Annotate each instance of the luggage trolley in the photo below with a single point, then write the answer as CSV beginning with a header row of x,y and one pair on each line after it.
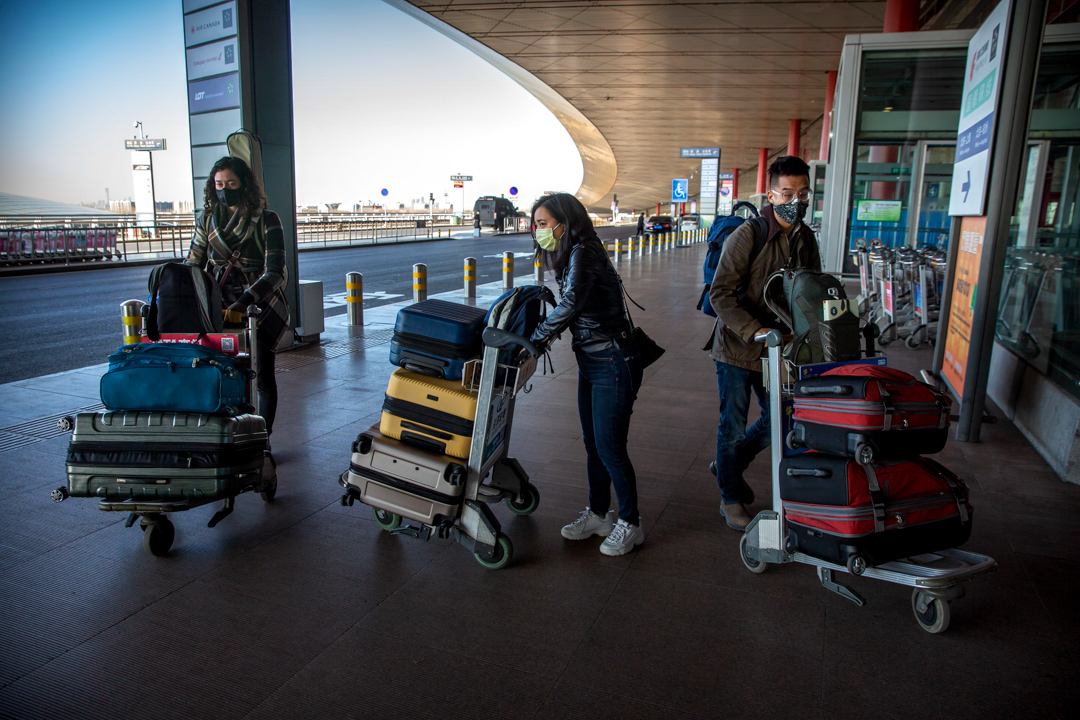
x,y
475,525
935,578
153,515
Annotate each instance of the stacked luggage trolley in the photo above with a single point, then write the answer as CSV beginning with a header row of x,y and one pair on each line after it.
x,y
439,458
900,291
898,521
152,463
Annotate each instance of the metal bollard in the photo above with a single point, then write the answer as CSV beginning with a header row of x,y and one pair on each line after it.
x,y
508,270
470,278
652,243
354,298
641,245
419,282
131,315
618,247
538,270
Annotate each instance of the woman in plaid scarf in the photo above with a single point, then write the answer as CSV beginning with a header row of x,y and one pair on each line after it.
x,y
240,243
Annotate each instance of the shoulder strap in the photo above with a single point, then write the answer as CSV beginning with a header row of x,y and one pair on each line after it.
x,y
198,278
761,236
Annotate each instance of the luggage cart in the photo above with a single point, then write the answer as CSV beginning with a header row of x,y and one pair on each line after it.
x,y
935,578
153,516
475,526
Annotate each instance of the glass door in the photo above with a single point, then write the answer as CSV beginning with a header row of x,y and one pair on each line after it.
x,y
931,186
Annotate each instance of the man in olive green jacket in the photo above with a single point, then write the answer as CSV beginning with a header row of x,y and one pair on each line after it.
x,y
753,252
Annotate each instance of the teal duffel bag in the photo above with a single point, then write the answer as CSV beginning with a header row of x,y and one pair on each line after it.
x,y
175,377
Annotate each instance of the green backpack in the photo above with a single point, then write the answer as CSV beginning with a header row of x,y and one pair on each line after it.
x,y
814,305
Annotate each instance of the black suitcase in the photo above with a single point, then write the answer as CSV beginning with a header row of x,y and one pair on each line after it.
x,y
838,512
163,456
435,337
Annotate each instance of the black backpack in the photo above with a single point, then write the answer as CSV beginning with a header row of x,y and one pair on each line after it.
x,y
721,229
183,299
822,319
520,311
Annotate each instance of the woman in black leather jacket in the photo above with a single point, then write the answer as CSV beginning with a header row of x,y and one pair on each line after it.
x,y
609,366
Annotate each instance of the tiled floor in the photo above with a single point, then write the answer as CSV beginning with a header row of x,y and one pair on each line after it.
x,y
304,608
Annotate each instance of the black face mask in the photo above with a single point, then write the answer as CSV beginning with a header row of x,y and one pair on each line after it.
x,y
230,197
792,212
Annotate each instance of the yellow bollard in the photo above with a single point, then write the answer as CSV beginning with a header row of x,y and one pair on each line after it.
x,y
538,271
419,282
470,278
131,315
354,298
508,270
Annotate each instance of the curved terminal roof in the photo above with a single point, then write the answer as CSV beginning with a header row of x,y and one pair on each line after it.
x,y
635,80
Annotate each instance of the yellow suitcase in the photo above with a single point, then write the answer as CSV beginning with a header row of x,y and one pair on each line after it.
x,y
429,412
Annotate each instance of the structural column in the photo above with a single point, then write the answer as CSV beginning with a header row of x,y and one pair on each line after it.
x,y
826,121
794,131
734,183
901,16
763,159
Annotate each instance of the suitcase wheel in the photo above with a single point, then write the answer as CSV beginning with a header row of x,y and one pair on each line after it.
x,y
932,613
268,489
158,535
755,566
856,564
529,501
386,520
504,550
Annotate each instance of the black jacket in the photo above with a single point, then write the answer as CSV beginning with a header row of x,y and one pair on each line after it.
x,y
591,303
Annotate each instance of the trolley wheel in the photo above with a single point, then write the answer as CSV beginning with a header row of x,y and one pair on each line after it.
x,y
530,500
935,618
504,550
883,340
755,566
856,564
913,342
65,423
791,442
386,520
158,536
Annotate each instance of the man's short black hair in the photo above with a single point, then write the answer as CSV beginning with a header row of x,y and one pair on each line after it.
x,y
788,165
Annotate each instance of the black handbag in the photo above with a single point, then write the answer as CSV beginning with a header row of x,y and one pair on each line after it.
x,y
650,352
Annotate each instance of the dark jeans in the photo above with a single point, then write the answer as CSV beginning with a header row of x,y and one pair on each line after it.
x,y
736,445
267,383
608,382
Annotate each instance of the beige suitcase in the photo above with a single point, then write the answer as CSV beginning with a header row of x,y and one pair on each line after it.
x,y
406,480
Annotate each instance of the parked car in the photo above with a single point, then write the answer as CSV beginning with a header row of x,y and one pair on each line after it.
x,y
689,222
659,224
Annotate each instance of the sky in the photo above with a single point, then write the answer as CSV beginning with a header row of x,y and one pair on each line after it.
x,y
379,101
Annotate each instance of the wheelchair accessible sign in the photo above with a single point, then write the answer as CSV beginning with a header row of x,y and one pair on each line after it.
x,y
680,190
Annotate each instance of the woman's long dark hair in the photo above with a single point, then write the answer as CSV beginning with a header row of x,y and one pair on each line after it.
x,y
577,228
253,199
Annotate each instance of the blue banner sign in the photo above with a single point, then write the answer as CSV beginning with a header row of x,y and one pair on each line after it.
x,y
699,152
214,94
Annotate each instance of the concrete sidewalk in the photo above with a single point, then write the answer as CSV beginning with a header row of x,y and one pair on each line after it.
x,y
304,608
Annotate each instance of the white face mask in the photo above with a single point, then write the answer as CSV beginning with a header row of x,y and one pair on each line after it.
x,y
545,238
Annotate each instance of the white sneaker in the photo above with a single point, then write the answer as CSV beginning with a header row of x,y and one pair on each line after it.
x,y
587,525
623,538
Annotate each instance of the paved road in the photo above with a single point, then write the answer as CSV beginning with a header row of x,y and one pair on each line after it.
x,y
63,321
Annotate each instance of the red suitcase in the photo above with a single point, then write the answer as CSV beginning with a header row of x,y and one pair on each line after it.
x,y
869,409
838,511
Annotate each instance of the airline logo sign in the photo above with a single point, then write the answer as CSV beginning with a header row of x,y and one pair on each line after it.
x,y
210,24
214,94
974,135
213,59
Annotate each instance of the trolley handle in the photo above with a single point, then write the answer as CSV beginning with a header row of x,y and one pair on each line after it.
x,y
497,338
773,338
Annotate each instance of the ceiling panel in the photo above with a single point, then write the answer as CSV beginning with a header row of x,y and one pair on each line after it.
x,y
656,75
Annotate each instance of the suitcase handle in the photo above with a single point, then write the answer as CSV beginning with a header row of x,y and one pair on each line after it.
x,y
497,338
827,390
809,472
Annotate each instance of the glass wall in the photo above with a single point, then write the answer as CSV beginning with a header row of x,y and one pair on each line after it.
x,y
1039,313
905,133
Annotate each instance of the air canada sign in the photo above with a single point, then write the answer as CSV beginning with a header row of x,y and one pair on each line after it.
x,y
212,24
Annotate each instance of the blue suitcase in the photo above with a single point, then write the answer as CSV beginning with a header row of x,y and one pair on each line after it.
x,y
436,338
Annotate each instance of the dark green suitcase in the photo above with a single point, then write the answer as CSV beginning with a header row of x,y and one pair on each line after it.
x,y
164,456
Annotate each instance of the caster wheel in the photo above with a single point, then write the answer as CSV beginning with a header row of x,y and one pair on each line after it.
x,y
504,550
269,473
530,500
386,520
931,613
864,454
856,564
791,441
883,341
158,537
913,342
65,423
755,566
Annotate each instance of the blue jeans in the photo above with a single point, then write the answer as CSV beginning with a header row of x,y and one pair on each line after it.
x,y
736,445
608,381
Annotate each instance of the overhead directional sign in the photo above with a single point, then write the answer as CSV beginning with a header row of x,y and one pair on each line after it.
x,y
680,190
707,152
144,144
975,133
461,178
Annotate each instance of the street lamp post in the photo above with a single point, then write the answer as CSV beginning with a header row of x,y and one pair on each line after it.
x,y
153,193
